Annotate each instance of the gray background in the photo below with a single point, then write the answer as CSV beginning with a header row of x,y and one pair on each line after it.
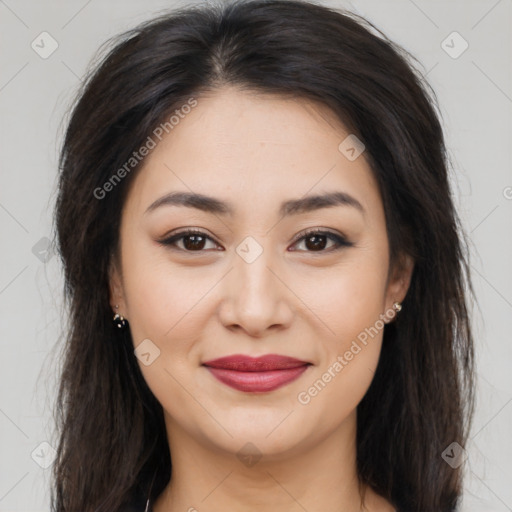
x,y
475,95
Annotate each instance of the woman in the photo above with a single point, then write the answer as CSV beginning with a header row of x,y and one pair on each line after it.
x,y
265,273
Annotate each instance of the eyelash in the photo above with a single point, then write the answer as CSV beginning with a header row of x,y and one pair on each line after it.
x,y
339,240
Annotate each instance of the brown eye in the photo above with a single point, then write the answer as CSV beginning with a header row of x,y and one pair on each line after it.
x,y
191,241
194,242
317,241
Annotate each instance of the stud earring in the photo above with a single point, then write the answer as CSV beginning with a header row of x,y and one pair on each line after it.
x,y
397,306
118,320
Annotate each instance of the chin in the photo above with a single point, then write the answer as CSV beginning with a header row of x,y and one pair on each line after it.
x,y
274,436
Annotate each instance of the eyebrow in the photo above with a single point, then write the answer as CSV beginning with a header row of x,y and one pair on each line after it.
x,y
212,205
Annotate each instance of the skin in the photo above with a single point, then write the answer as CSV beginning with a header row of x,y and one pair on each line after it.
x,y
256,151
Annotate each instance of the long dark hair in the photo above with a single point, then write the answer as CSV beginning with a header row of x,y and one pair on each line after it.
x,y
113,444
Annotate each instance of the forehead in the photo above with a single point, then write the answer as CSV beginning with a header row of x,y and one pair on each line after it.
x,y
254,149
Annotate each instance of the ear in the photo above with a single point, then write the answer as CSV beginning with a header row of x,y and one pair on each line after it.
x,y
399,280
116,291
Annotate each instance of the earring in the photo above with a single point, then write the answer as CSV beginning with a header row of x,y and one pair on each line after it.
x,y
397,306
118,320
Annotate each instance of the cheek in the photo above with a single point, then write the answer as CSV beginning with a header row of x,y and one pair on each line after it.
x,y
346,370
168,306
351,306
163,299
347,298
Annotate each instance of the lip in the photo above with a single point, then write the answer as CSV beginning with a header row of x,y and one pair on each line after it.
x,y
260,374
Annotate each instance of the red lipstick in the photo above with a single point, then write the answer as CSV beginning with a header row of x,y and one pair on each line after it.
x,y
259,374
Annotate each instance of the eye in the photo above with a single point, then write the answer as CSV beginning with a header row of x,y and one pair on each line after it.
x,y
192,241
316,240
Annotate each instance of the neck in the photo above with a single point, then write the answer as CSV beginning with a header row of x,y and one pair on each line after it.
x,y
321,477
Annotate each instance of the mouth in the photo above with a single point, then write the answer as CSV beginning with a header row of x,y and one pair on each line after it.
x,y
253,375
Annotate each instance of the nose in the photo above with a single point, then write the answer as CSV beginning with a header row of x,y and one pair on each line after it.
x,y
256,298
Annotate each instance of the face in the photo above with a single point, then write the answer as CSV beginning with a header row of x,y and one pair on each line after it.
x,y
266,270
